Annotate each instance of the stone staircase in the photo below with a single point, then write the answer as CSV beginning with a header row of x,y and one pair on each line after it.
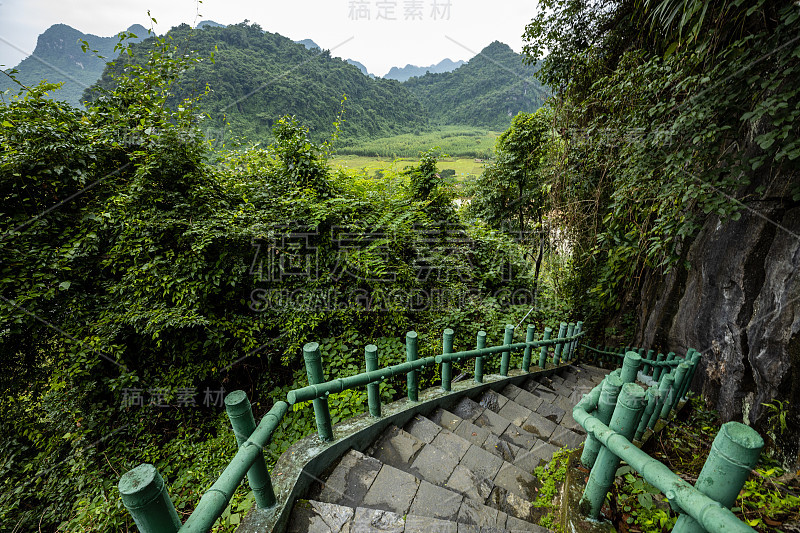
x,y
467,469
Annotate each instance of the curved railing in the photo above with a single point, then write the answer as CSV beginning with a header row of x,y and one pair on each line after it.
x,y
143,489
618,411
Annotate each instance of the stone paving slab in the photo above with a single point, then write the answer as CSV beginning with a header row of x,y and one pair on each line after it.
x,y
468,528
425,524
319,517
554,413
523,397
515,413
473,513
393,490
350,480
538,426
482,463
374,520
566,437
436,502
492,422
519,437
434,465
545,450
517,481
451,443
511,504
464,481
469,431
492,401
445,419
545,394
396,447
500,448
468,409
423,428
528,460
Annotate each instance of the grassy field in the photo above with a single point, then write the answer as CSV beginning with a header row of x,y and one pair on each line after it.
x,y
458,142
464,167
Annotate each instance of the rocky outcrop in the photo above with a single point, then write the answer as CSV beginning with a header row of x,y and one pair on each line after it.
x,y
739,304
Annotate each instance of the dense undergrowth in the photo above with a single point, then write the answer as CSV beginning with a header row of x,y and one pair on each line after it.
x,y
144,275
769,500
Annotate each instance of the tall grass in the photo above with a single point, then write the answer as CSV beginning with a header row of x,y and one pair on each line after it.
x,y
456,141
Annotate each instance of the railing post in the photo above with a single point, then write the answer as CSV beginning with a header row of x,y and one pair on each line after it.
x,y
573,347
505,358
693,362
568,344
665,390
680,376
240,413
562,331
447,368
322,413
373,389
658,368
646,367
526,355
609,390
652,401
543,349
733,455
480,343
145,496
411,355
630,366
623,421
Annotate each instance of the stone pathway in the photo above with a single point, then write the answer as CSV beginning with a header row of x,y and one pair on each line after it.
x,y
467,470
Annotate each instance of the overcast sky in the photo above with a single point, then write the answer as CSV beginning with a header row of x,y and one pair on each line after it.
x,y
396,32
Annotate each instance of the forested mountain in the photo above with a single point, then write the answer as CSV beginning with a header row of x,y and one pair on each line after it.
x,y
409,71
58,57
360,66
486,92
256,77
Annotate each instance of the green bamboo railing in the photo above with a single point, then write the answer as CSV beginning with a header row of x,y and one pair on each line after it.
x,y
618,412
144,492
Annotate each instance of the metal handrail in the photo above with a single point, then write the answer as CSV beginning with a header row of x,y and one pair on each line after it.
x,y
734,453
144,492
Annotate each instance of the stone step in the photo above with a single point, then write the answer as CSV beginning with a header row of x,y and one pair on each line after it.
x,y
360,481
451,461
311,516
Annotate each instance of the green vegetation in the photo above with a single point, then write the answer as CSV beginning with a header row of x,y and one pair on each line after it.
x,y
59,57
670,114
491,88
459,169
456,141
143,274
552,477
768,502
256,77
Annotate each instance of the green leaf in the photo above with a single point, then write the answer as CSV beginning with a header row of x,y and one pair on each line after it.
x,y
64,285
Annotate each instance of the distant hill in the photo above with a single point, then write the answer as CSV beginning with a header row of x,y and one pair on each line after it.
x,y
360,67
409,71
485,92
308,43
209,24
258,76
58,58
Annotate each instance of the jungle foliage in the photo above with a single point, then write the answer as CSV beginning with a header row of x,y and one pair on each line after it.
x,y
142,274
486,92
670,112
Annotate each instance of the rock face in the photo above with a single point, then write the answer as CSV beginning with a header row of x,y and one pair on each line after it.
x,y
739,304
